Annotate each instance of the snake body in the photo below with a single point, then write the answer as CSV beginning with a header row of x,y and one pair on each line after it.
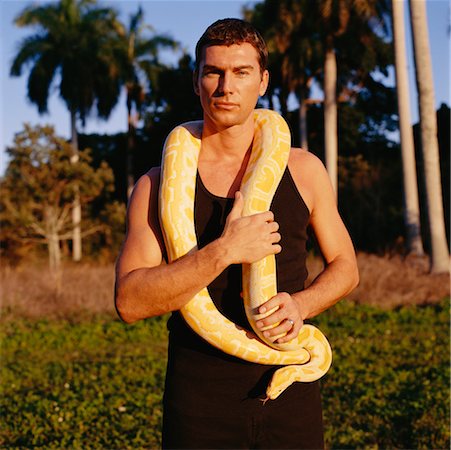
x,y
309,356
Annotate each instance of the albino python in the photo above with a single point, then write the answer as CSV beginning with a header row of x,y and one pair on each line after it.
x,y
309,356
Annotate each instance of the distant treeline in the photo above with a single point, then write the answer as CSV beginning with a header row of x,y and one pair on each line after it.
x,y
370,172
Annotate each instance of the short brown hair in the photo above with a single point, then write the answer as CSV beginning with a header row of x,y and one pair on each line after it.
x,y
229,32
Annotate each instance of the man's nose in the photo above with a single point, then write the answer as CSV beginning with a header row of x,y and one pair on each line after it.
x,y
226,85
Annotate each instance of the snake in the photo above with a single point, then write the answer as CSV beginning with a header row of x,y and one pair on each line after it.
x,y
305,358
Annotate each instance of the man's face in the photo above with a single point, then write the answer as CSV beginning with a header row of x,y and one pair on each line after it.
x,y
229,83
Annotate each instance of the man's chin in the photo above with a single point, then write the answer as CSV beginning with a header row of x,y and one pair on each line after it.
x,y
227,119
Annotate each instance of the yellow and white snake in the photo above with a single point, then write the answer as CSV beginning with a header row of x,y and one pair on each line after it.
x,y
309,356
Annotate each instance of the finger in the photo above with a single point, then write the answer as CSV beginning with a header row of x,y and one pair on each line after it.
x,y
275,237
275,317
276,249
292,334
237,208
270,304
283,328
267,216
274,226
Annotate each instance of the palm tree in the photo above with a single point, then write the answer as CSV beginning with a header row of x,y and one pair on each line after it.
x,y
294,57
141,67
335,16
429,142
411,203
72,47
303,39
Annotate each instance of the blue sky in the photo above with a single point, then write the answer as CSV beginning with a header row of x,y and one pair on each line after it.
x,y
184,20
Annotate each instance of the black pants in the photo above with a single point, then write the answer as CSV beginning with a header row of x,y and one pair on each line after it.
x,y
268,427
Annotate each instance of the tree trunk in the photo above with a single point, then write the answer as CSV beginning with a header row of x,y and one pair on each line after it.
x,y
270,100
429,141
76,210
283,100
330,115
303,138
411,203
131,139
53,246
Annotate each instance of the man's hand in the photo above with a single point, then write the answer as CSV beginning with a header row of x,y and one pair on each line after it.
x,y
249,239
288,313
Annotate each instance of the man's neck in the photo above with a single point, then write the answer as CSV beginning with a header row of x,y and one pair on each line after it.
x,y
228,143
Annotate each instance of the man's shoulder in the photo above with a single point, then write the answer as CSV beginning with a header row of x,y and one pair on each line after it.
x,y
149,180
301,159
145,189
153,174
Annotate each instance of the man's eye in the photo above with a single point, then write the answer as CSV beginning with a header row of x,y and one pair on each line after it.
x,y
210,74
242,73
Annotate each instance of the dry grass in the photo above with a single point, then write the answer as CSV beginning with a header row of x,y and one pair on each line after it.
x,y
392,281
87,290
30,291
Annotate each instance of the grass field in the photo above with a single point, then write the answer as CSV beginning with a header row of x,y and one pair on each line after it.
x,y
74,377
98,383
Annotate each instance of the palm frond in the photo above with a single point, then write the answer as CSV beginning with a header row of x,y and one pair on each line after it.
x,y
30,49
40,79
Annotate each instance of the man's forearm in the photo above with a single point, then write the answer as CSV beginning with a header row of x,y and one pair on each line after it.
x,y
157,289
148,292
338,279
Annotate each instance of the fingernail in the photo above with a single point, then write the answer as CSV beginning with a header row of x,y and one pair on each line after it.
x,y
266,334
262,310
259,324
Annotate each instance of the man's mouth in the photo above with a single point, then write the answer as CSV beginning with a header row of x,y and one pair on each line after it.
x,y
225,105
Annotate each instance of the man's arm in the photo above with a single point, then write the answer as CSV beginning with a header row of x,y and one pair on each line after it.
x,y
340,275
146,286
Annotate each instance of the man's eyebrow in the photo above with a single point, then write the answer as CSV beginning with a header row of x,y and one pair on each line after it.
x,y
244,67
212,67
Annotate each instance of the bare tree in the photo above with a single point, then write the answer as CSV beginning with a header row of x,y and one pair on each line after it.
x,y
38,190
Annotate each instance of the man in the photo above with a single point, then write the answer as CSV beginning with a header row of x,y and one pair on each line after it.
x,y
213,400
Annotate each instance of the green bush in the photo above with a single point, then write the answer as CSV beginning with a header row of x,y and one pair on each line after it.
x,y
99,383
88,385
389,383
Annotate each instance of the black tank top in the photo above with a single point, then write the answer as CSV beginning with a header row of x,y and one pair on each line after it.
x,y
199,374
210,214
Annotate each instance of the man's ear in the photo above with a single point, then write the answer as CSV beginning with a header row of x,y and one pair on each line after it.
x,y
264,83
195,80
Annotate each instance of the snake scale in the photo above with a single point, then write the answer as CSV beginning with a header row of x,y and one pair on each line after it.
x,y
306,358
